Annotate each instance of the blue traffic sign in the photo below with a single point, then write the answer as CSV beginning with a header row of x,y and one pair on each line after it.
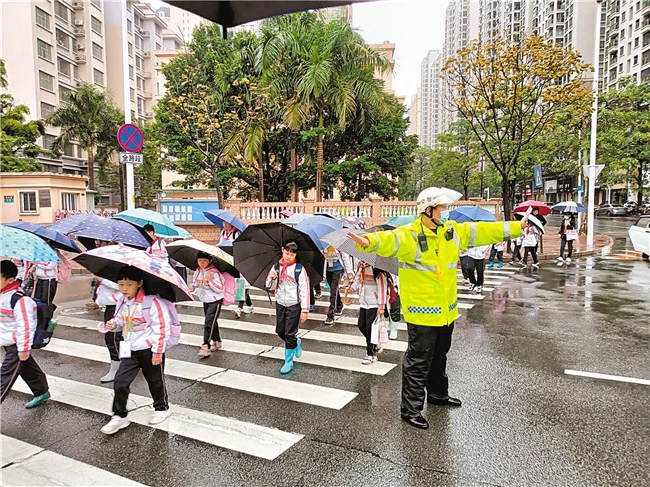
x,y
130,137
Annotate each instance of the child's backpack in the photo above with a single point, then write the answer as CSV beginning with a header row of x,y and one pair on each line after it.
x,y
229,289
63,270
175,325
296,276
44,313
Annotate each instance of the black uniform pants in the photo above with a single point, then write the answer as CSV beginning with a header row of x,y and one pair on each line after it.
x,y
287,324
424,366
465,261
516,253
45,290
496,253
533,252
29,370
333,278
211,325
476,278
112,339
128,371
364,323
247,298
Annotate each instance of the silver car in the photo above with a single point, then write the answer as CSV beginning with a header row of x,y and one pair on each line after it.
x,y
611,210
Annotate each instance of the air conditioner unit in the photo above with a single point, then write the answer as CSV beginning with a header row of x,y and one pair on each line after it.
x,y
81,47
77,4
80,58
78,21
141,30
146,54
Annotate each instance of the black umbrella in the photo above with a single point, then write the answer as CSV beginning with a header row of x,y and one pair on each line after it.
x,y
535,220
260,246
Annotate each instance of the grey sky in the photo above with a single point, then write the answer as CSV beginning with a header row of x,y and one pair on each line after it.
x,y
414,26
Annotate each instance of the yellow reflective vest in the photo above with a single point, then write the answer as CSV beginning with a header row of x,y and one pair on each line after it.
x,y
427,278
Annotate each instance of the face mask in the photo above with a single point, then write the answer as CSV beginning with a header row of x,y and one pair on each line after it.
x,y
444,216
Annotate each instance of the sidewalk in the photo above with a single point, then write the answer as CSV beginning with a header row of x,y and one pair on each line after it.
x,y
551,244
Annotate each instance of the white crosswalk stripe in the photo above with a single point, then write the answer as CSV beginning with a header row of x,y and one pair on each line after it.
x,y
241,436
26,464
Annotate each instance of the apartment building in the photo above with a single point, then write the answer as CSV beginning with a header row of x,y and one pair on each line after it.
x,y
431,106
180,21
415,114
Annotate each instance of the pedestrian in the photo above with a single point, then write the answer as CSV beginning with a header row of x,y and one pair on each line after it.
x,y
530,242
142,348
516,253
465,262
336,263
372,286
427,251
17,326
209,286
45,284
23,268
568,223
290,282
158,248
228,234
108,294
477,267
496,253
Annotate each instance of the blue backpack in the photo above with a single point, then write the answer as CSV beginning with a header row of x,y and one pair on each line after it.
x,y
296,276
44,313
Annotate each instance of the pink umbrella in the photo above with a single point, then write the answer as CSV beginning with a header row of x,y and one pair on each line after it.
x,y
544,209
286,213
159,277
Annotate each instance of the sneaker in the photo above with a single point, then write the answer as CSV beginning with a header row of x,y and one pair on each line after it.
x,y
466,281
249,310
535,266
311,308
159,416
329,322
369,360
215,346
500,265
318,295
339,312
478,289
204,351
568,260
471,287
237,312
114,425
490,265
379,350
393,334
523,264
92,305
560,259
37,400
512,262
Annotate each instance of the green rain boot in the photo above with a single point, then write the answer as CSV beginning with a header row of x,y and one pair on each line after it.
x,y
298,350
37,400
288,361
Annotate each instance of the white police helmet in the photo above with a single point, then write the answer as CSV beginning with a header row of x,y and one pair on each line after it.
x,y
436,196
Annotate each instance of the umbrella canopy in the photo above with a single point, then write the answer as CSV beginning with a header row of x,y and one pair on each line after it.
x,y
88,228
159,276
317,227
260,246
297,218
471,214
342,242
219,216
286,213
162,225
186,252
237,12
226,246
532,219
19,244
569,207
352,222
398,221
544,209
57,239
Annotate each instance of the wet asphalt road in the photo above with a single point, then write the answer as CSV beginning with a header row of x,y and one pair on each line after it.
x,y
523,420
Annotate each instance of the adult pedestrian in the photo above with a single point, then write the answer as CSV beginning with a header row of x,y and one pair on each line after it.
x,y
427,251
568,223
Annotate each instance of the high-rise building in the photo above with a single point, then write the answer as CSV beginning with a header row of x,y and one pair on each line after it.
x,y
181,21
414,113
431,99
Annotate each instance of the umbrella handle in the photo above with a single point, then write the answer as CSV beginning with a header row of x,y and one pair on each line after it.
x,y
269,295
346,301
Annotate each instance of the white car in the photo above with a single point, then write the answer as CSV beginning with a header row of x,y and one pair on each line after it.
x,y
640,235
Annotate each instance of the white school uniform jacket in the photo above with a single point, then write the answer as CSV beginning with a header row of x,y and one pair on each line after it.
x,y
158,249
372,292
45,270
530,236
225,236
108,293
287,291
17,325
23,268
478,252
136,330
209,284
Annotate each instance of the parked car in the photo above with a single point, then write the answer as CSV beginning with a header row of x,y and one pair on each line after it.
x,y
610,210
640,235
630,207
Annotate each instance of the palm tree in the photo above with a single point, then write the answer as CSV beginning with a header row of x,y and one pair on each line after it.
x,y
331,74
89,117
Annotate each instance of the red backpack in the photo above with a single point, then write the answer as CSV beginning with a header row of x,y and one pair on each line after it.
x,y
63,270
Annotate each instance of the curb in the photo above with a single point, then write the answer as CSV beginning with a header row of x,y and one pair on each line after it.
x,y
583,253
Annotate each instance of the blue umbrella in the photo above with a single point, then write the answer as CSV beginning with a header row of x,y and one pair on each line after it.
x,y
317,227
471,214
297,218
219,216
162,225
398,221
88,228
56,239
19,244
569,207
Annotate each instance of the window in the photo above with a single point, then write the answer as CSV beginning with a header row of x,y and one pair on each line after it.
x,y
96,25
96,3
130,71
70,201
636,60
46,109
43,18
28,202
132,97
48,141
46,81
130,49
98,51
44,50
61,11
98,77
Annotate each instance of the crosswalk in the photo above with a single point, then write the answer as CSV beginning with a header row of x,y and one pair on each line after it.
x,y
325,378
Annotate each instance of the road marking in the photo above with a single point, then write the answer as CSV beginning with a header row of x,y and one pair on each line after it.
x,y
618,378
355,307
270,351
326,397
252,439
26,464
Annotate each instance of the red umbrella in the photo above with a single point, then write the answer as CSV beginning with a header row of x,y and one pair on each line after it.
x,y
543,208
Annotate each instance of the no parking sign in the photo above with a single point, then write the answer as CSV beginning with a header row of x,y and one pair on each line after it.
x,y
130,137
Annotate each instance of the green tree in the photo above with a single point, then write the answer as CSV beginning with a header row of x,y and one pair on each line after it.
x,y
624,134
88,116
510,93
